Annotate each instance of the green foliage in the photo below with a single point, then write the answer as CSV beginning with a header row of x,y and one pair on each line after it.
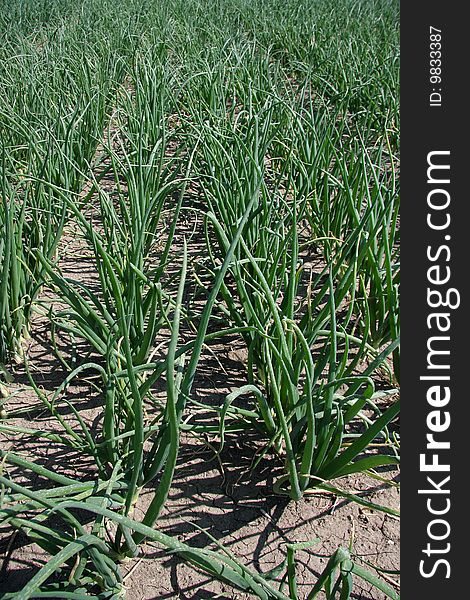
x,y
273,125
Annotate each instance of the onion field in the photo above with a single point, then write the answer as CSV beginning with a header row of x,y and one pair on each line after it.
x,y
199,299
